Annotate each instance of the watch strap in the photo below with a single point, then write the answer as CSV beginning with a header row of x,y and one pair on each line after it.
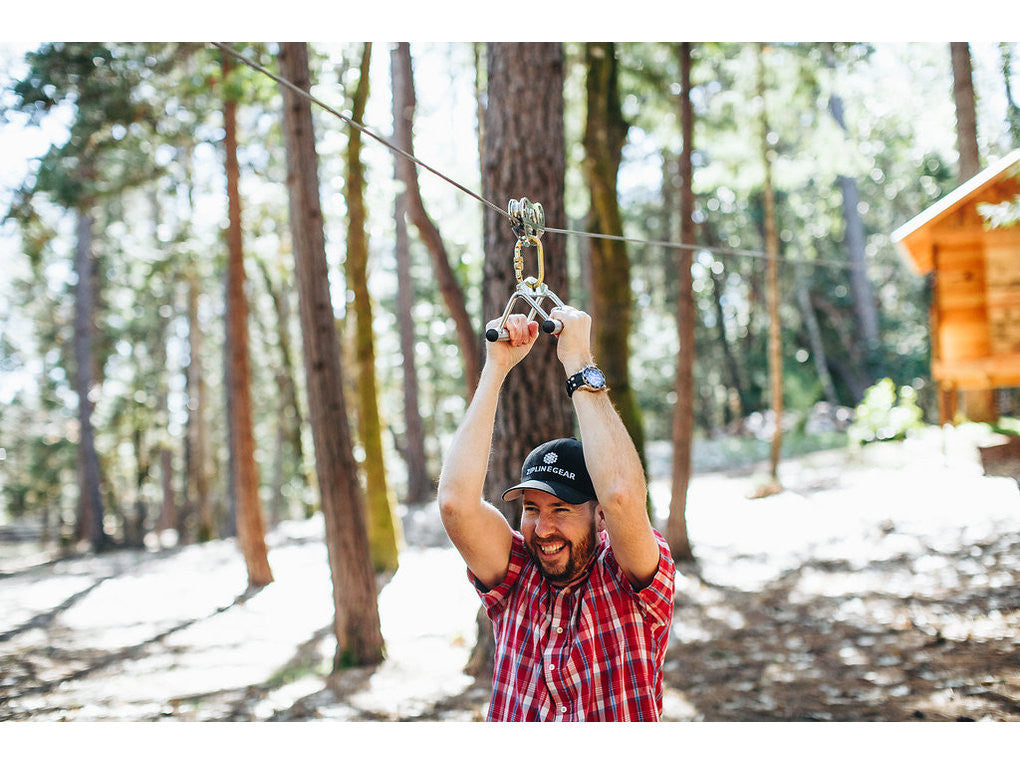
x,y
578,381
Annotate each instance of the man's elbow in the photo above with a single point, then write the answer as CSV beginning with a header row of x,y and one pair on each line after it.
x,y
451,504
623,495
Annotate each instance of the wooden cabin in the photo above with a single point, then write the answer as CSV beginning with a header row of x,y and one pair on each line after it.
x,y
975,307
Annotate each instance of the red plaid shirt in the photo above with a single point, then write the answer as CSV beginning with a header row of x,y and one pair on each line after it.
x,y
592,651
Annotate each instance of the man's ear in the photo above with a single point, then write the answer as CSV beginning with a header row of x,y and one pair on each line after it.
x,y
600,518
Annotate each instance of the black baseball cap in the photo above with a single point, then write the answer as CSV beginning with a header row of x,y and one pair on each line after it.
x,y
556,467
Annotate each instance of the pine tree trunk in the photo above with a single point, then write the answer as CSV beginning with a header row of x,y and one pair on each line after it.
x,y
383,529
683,410
356,614
90,498
290,418
966,111
738,402
167,518
449,288
419,483
604,138
250,525
198,431
524,156
1012,107
865,307
814,333
772,284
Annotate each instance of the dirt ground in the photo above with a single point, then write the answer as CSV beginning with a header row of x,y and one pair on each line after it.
x,y
879,585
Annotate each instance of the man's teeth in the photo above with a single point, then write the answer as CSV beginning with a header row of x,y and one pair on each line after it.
x,y
551,549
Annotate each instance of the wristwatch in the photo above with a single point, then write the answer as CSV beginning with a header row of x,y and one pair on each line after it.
x,y
589,378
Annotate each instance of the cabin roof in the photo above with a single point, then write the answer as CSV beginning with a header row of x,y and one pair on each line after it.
x,y
912,237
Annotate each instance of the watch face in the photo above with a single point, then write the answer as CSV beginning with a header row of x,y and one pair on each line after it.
x,y
594,378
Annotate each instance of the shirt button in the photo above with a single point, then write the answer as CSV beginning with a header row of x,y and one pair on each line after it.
x,y
559,630
563,710
552,667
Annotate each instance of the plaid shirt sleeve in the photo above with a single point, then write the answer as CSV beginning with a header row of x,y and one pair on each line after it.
x,y
494,600
655,599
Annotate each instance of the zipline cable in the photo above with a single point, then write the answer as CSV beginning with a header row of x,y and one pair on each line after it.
x,y
358,126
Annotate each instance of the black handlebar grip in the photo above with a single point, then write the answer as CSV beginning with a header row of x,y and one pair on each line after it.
x,y
552,326
492,335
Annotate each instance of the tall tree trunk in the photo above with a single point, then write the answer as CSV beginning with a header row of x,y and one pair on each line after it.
x,y
167,518
683,410
383,530
604,137
198,431
865,307
966,111
134,529
772,285
977,405
291,418
735,397
1012,107
356,613
419,482
814,333
250,525
407,171
738,399
90,499
524,157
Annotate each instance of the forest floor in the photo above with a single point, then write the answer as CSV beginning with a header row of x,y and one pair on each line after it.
x,y
879,584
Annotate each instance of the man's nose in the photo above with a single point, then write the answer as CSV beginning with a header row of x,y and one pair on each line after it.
x,y
544,526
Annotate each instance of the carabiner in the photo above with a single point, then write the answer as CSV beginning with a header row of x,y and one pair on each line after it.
x,y
519,259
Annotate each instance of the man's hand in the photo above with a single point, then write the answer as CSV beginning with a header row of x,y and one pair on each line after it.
x,y
574,346
507,354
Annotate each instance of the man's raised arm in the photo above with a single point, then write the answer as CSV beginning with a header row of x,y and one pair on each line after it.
x,y
477,529
611,458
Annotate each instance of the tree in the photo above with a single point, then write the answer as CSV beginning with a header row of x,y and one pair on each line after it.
x,y
290,420
356,614
865,307
522,158
604,137
91,507
382,529
966,111
407,172
76,175
419,483
199,502
772,284
1012,107
244,469
683,410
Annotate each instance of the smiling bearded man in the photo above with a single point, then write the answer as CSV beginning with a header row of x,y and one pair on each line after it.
x,y
581,597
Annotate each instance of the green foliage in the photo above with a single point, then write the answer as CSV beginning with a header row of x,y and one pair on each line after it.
x,y
1008,426
1002,215
886,414
141,148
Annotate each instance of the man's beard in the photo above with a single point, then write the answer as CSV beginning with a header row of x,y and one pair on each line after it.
x,y
578,558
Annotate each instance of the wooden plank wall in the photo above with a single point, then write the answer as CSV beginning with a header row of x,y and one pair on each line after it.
x,y
960,291
1002,284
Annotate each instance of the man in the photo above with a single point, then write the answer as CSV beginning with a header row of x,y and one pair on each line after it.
x,y
581,598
